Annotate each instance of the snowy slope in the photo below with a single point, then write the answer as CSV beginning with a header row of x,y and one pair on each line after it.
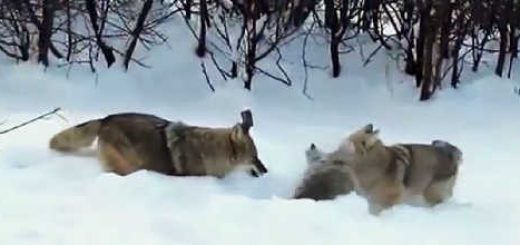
x,y
50,198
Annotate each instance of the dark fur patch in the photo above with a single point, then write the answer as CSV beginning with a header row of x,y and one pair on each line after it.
x,y
402,156
177,146
325,184
447,169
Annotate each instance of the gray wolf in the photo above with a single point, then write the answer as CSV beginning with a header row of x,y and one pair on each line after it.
x,y
128,142
325,178
389,175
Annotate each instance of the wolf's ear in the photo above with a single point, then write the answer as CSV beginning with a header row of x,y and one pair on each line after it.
x,y
375,132
247,120
369,128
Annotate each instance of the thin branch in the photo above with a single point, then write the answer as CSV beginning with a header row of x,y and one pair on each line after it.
x,y
282,80
30,121
208,81
305,62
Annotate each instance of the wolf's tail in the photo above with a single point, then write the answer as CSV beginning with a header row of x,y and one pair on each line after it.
x,y
77,137
454,152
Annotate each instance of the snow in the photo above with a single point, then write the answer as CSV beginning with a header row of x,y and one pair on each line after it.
x,y
51,198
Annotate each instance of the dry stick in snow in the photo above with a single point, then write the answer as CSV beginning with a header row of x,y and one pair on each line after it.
x,y
30,121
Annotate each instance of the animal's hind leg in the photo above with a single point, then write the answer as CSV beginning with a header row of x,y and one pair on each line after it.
x,y
439,191
384,197
117,155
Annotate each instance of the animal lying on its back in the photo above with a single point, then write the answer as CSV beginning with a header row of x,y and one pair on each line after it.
x,y
326,176
129,142
401,173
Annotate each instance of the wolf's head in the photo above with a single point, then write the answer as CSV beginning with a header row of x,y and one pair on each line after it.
x,y
361,141
314,155
215,151
244,150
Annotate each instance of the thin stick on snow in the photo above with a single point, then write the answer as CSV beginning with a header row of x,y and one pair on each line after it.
x,y
30,121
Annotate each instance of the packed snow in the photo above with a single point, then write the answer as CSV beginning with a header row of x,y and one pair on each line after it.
x,y
51,198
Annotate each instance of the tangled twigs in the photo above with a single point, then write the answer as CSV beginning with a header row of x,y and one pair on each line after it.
x,y
30,121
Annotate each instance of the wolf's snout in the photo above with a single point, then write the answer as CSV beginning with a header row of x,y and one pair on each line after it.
x,y
259,168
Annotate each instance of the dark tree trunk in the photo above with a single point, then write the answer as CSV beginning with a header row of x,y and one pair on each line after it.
x,y
234,70
188,9
302,11
25,44
430,30
107,51
424,19
408,32
514,20
367,14
513,47
411,65
488,23
147,6
514,51
334,55
201,47
447,10
455,79
250,61
250,24
375,16
45,31
427,66
69,30
332,23
502,53
479,50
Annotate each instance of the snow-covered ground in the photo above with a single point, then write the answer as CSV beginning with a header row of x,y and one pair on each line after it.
x,y
50,198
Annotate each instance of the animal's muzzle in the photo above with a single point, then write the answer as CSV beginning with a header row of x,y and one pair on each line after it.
x,y
259,168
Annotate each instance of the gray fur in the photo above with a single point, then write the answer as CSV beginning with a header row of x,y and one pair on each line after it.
x,y
325,178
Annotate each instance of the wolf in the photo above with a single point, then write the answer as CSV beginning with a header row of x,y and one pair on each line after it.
x,y
326,176
402,173
128,142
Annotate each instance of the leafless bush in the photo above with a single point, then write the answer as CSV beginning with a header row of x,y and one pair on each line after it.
x,y
80,31
432,38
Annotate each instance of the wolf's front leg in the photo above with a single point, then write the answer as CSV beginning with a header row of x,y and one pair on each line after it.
x,y
375,209
384,196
